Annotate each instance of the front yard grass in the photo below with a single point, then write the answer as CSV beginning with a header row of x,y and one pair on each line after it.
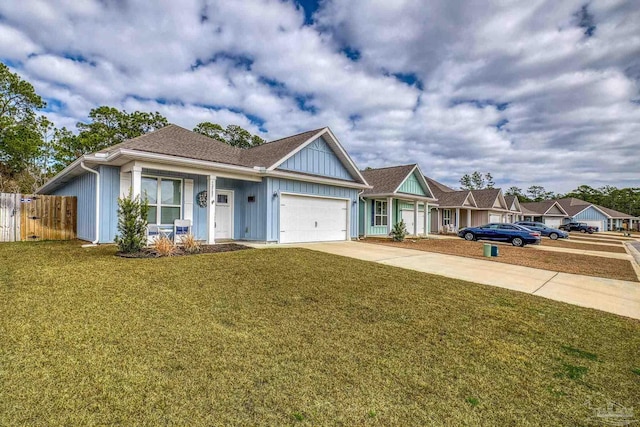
x,y
292,337
527,257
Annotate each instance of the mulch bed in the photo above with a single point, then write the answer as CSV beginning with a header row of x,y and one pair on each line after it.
x,y
587,265
204,249
584,246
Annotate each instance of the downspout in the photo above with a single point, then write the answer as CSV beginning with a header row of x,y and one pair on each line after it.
x,y
364,215
97,174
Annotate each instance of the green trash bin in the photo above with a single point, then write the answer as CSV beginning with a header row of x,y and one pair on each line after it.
x,y
494,250
487,250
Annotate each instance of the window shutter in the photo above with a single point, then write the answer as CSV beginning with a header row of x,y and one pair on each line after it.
x,y
188,200
373,212
125,184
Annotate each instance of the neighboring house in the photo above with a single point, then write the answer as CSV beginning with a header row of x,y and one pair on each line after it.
x,y
398,193
515,211
297,189
467,208
570,209
550,212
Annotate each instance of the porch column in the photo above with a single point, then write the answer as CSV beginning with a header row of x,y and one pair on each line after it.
x,y
415,218
439,222
136,180
457,225
211,209
468,217
389,214
426,218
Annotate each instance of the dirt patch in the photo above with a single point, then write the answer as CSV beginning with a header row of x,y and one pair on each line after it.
x,y
204,249
527,257
583,246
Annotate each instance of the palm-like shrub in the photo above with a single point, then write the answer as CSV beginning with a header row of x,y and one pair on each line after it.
x,y
132,223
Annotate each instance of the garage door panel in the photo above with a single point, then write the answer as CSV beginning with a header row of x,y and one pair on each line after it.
x,y
594,224
312,219
553,222
495,218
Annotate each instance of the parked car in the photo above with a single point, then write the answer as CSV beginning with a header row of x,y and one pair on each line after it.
x,y
582,227
544,230
517,235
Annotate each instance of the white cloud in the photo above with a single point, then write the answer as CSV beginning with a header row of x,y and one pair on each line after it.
x,y
563,100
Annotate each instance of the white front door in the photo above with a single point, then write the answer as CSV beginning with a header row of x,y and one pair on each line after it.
x,y
407,217
312,219
420,222
224,214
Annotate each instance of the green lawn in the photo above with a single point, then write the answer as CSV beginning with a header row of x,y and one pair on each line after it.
x,y
291,337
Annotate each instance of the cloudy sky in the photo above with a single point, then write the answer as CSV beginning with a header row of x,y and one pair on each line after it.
x,y
535,92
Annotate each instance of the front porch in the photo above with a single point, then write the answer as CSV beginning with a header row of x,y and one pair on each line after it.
x,y
178,193
380,215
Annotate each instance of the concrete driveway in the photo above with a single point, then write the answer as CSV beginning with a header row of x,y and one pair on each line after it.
x,y
614,296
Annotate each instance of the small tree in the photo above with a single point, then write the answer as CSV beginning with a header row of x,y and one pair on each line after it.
x,y
399,231
132,223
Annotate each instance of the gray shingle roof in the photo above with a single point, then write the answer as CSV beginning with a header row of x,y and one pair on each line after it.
x,y
174,140
485,198
510,200
385,180
447,197
541,207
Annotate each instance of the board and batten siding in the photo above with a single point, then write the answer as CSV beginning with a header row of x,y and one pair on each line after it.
x,y
591,214
275,186
109,193
412,185
84,188
317,158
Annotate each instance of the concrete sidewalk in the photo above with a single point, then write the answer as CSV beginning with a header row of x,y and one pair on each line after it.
x,y
614,296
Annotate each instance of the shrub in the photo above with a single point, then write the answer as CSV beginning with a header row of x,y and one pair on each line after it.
x,y
399,231
190,245
164,246
132,223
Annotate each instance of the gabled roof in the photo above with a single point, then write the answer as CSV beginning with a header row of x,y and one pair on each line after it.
x,y
615,214
174,140
448,197
387,181
486,198
572,206
178,144
544,206
513,203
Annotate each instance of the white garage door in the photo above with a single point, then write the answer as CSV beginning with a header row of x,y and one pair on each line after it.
x,y
312,219
495,218
407,217
594,224
553,222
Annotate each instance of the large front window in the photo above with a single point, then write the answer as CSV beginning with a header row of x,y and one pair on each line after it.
x,y
380,212
165,199
446,216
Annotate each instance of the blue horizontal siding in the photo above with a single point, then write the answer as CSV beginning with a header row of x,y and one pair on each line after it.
x,y
317,158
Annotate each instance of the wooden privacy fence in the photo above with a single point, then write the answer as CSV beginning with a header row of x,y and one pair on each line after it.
x,y
36,217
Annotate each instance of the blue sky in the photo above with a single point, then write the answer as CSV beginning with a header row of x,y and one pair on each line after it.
x,y
537,92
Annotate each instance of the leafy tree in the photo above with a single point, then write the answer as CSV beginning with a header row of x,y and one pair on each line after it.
x,y
20,140
107,126
233,135
476,181
517,191
537,193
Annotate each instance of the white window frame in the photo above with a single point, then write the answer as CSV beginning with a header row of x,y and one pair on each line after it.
x,y
446,216
383,216
158,205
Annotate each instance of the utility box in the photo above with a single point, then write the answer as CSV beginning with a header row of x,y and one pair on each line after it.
x,y
494,250
487,250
